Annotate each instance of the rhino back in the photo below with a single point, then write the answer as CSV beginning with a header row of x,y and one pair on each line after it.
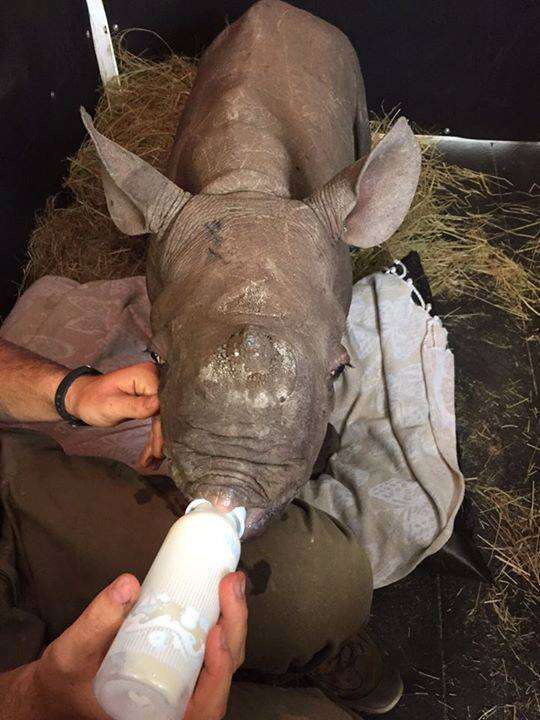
x,y
278,106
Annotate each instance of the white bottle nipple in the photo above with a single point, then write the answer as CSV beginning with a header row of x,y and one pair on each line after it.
x,y
237,515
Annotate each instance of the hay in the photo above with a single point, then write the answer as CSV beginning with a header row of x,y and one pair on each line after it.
x,y
508,513
459,244
461,227
80,241
512,522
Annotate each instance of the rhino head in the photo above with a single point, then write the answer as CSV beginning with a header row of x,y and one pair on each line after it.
x,y
250,294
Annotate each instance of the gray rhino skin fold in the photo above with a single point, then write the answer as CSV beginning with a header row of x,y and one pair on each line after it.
x,y
270,180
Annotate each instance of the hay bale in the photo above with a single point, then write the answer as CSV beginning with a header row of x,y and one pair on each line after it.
x,y
460,246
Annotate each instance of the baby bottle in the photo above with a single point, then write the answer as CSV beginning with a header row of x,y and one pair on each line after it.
x,y
153,663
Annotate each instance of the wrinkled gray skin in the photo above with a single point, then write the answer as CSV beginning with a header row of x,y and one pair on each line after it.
x,y
248,271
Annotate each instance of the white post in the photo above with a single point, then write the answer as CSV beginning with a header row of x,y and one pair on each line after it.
x,y
101,36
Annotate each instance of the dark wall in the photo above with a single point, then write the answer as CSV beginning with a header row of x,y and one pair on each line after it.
x,y
467,66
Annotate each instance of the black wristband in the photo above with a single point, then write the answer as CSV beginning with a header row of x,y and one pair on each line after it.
x,y
60,397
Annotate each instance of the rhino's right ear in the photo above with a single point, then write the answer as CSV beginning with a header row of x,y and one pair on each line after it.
x,y
367,201
140,199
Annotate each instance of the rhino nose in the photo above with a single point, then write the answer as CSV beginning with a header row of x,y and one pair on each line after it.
x,y
261,365
254,349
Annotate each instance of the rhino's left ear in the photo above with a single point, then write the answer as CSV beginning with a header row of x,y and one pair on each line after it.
x,y
367,201
140,199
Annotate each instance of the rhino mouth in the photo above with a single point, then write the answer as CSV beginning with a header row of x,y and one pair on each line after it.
x,y
225,495
228,490
225,498
256,521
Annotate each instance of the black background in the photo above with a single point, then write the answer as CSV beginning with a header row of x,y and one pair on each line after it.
x,y
467,66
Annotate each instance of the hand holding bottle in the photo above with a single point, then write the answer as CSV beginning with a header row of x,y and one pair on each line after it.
x,y
58,686
152,667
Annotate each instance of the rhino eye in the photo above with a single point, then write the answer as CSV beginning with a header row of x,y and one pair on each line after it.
x,y
338,370
157,358
341,360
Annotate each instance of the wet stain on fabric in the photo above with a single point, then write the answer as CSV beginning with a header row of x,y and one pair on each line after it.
x,y
258,576
143,496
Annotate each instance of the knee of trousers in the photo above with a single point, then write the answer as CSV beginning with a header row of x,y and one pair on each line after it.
x,y
309,589
250,701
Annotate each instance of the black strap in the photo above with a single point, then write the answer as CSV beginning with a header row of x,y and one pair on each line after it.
x,y
60,397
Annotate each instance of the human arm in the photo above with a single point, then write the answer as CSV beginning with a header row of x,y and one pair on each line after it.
x,y
58,686
28,384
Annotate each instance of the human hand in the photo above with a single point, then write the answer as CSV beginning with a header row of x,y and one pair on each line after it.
x,y
225,652
106,400
152,455
58,686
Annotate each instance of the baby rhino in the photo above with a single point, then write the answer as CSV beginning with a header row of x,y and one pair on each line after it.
x,y
269,182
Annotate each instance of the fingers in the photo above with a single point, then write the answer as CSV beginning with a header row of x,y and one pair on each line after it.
x,y
209,701
89,638
225,650
132,393
140,379
146,457
119,407
232,599
126,394
152,454
132,407
156,437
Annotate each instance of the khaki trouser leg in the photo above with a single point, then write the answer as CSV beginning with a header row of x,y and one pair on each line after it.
x,y
250,701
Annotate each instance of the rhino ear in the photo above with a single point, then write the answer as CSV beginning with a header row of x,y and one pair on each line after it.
x,y
367,201
140,199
